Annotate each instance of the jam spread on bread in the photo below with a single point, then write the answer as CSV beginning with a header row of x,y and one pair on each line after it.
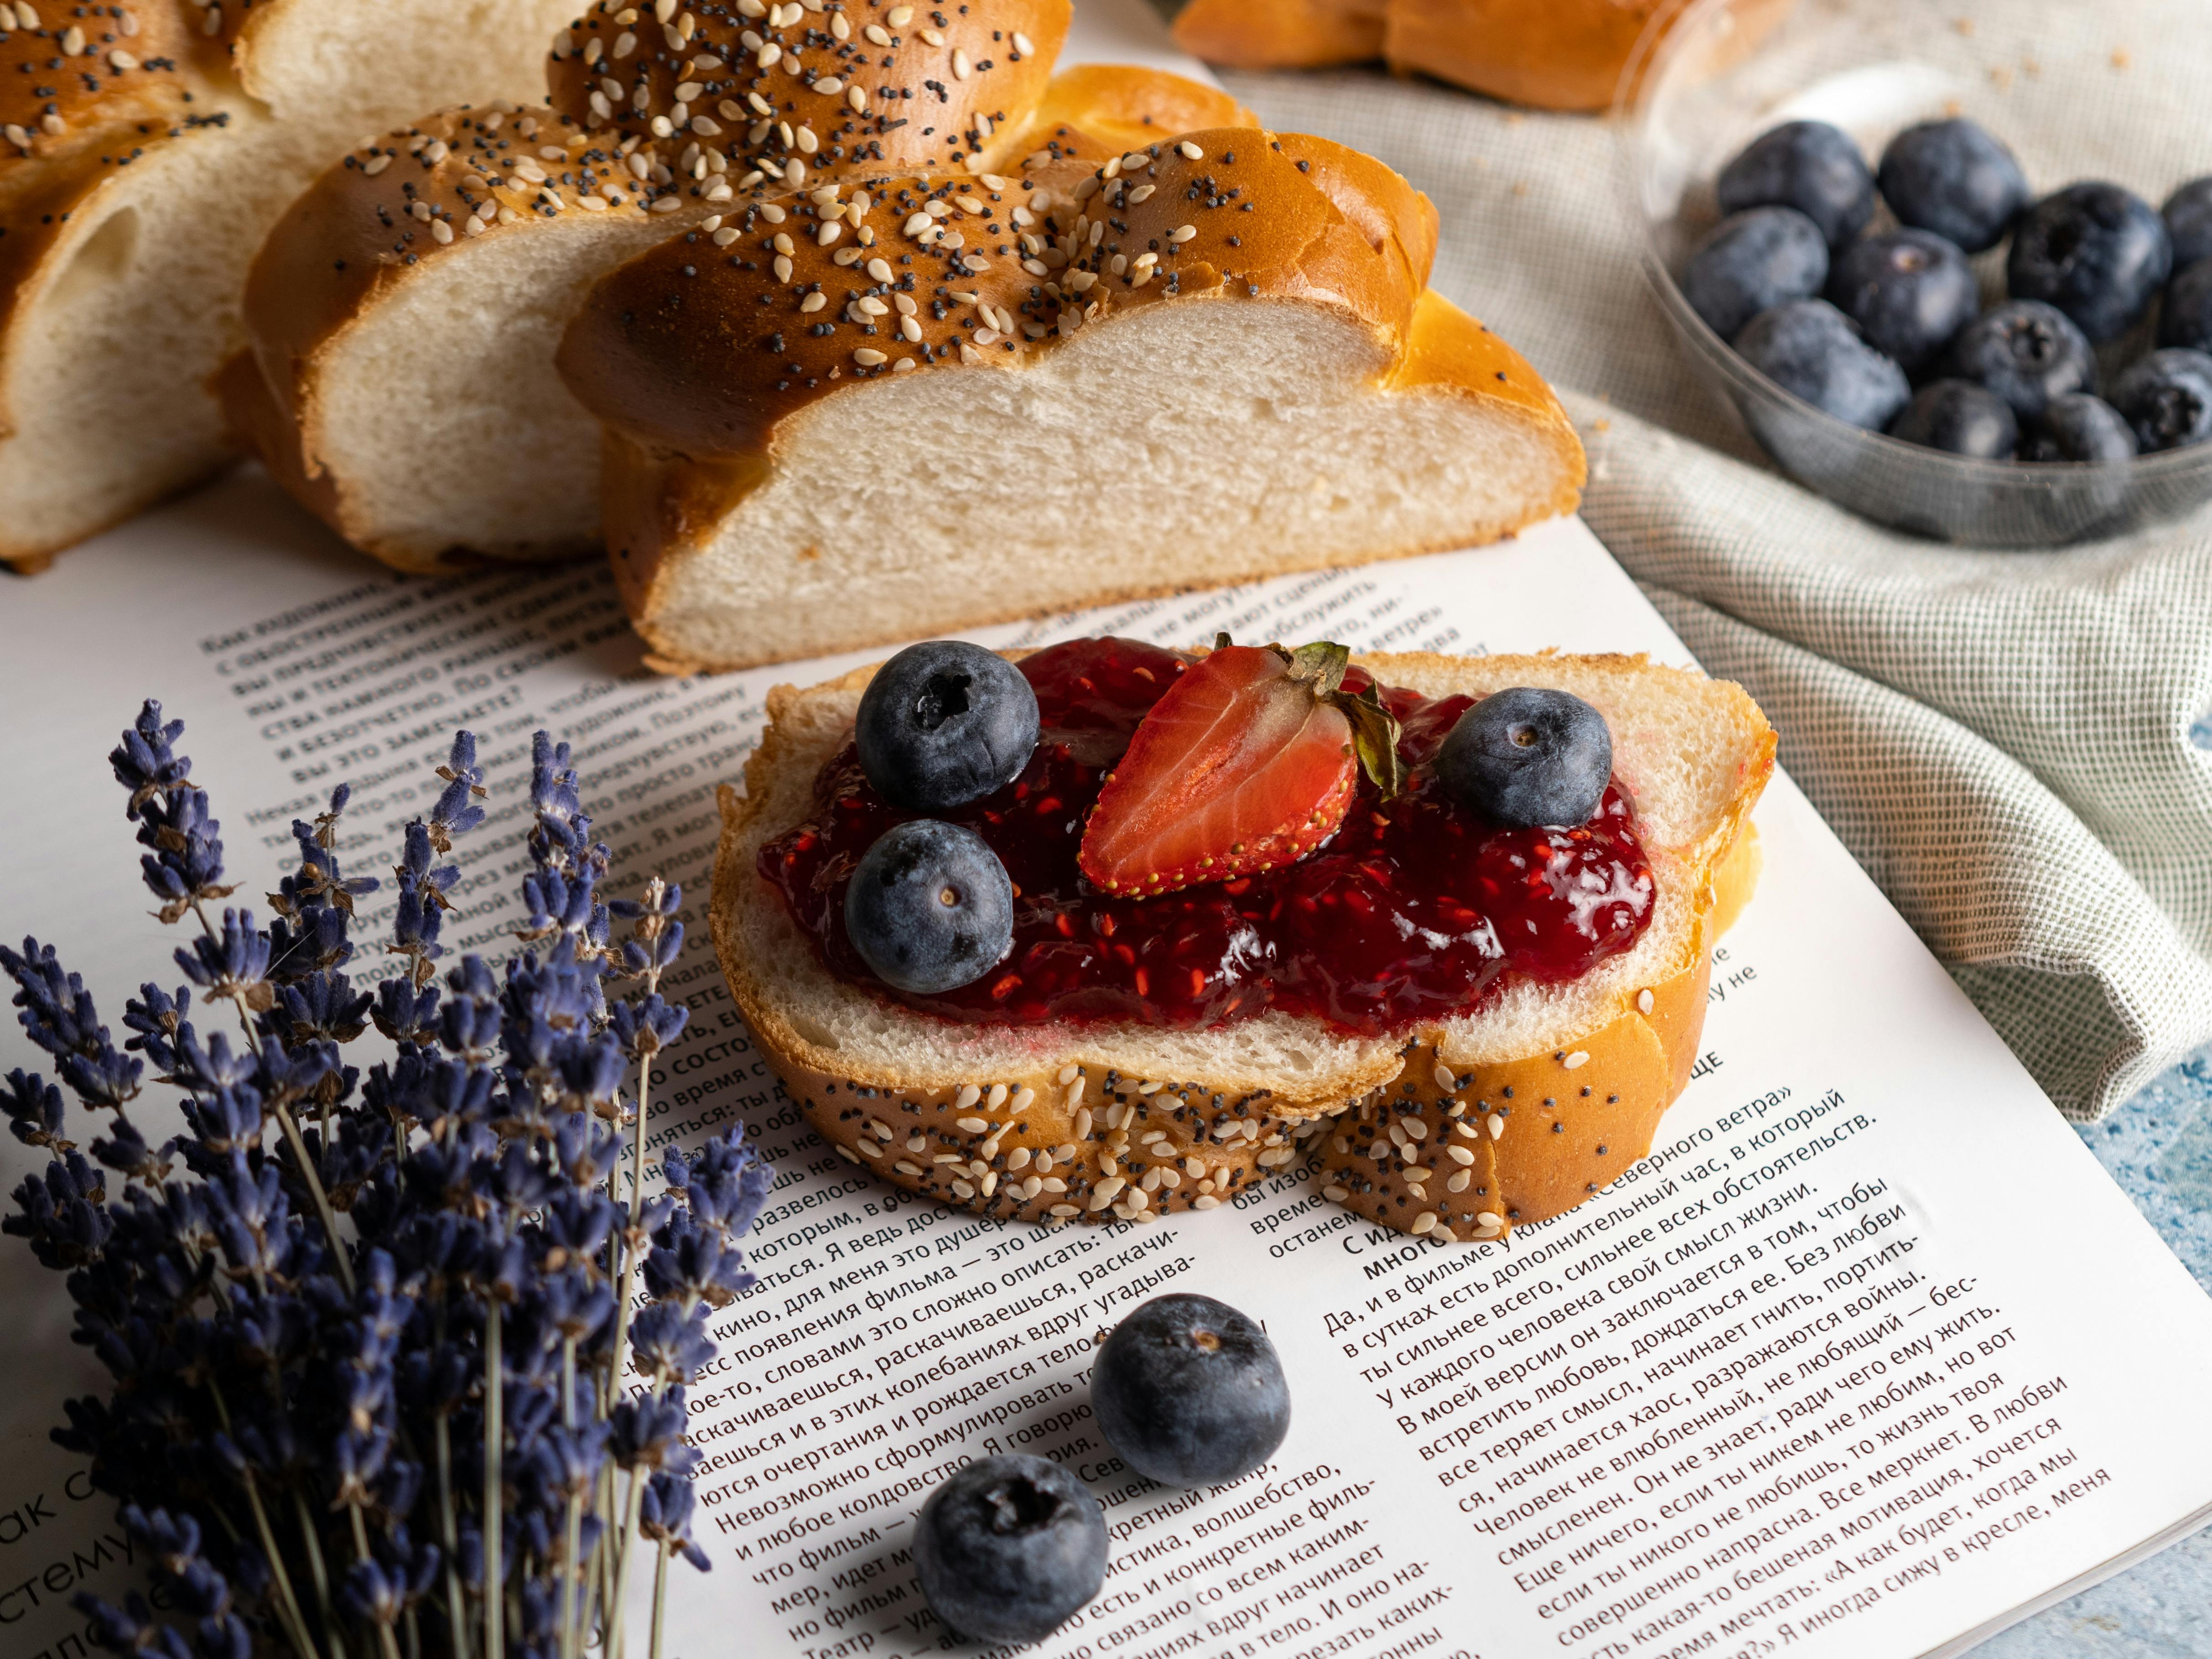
x,y
1417,906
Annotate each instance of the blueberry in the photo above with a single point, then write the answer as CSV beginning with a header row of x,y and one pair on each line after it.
x,y
2188,216
2096,251
1190,1392
1008,1548
2185,319
1961,417
1807,165
1952,178
930,907
944,723
2166,398
1752,261
1811,348
1527,755
2027,353
1908,290
2079,427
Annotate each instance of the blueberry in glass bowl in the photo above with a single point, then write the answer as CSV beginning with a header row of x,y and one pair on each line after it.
x,y
1960,418
1752,262
2096,251
1953,178
2028,353
1910,292
2167,398
1806,165
2002,166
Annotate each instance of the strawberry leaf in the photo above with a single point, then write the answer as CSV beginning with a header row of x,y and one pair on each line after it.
x,y
1375,736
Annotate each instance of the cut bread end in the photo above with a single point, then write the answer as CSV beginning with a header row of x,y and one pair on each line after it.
x,y
1190,1118
1303,441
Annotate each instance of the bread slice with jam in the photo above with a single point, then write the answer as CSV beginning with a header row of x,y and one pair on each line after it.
x,y
1461,1126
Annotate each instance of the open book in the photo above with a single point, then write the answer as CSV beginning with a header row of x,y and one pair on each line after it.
x,y
1867,1358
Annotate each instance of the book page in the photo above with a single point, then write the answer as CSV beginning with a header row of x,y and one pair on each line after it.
x,y
1867,1353
1866,1359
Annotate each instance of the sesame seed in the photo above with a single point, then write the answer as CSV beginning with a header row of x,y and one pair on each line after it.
x,y
1022,44
996,1097
876,35
1488,1218
1495,1124
1458,1182
969,1095
1190,151
1644,1000
1580,1057
1422,1222
1182,233
960,69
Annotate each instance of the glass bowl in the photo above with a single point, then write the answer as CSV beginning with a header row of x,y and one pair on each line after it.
x,y
2111,91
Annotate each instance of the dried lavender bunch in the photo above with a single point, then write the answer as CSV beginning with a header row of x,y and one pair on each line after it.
x,y
370,1335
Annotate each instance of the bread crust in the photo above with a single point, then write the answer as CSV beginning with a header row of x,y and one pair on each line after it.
x,y
1606,1087
676,350
935,89
1281,33
1563,55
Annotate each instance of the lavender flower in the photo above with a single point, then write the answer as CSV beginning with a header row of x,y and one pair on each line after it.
x,y
370,1348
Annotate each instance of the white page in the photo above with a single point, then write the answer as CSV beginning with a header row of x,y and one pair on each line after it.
x,y
287,655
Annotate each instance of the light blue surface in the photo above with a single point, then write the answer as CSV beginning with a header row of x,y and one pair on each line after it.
x,y
2158,1148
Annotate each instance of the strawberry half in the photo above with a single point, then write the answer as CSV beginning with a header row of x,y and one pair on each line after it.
x,y
1249,761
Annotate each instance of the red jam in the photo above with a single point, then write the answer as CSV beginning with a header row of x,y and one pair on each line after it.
x,y
1412,911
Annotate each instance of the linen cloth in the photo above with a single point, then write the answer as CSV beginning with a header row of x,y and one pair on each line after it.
x,y
2003,740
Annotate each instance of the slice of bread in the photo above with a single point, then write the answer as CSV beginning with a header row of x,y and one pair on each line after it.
x,y
1211,359
404,312
143,152
1136,1120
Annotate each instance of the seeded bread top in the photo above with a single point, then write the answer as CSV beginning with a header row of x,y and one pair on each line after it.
x,y
407,198
702,344
867,84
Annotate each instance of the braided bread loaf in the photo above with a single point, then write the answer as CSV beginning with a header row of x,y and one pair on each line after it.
x,y
1211,358
145,147
444,258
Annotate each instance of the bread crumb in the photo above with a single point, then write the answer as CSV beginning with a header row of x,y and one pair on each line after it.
x,y
2000,76
1601,426
1964,24
2120,58
1521,188
2030,68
